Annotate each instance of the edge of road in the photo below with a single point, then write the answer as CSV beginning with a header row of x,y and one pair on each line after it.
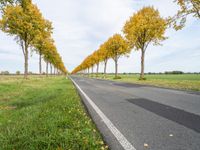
x,y
110,134
147,85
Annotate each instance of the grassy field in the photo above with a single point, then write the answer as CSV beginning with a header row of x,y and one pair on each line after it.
x,y
44,113
182,82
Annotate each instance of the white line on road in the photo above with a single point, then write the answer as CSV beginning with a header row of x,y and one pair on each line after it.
x,y
118,135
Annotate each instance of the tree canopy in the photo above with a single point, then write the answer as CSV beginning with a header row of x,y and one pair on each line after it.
x,y
145,27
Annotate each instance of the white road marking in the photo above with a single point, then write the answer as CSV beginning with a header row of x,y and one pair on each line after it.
x,y
118,135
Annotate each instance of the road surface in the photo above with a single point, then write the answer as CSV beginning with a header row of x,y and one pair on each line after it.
x,y
140,117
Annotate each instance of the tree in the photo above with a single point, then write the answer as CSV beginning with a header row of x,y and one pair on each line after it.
x,y
50,54
117,47
42,40
91,62
5,72
88,63
24,22
187,7
105,55
97,58
143,28
17,72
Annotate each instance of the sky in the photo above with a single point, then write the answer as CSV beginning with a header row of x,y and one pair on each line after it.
x,y
81,26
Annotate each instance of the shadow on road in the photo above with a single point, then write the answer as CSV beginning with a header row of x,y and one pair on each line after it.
x,y
179,116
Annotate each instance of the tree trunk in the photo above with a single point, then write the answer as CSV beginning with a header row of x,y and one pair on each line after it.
x,y
116,67
92,71
47,66
51,68
142,65
105,65
40,63
85,72
97,70
88,72
26,61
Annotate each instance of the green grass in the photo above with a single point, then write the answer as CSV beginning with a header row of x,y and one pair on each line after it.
x,y
182,82
44,113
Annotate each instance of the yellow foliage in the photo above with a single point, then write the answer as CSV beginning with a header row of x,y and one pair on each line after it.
x,y
24,21
145,27
187,7
117,47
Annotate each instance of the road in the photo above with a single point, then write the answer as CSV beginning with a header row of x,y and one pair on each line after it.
x,y
145,117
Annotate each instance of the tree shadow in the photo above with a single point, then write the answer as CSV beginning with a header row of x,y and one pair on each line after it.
x,y
32,101
179,116
130,85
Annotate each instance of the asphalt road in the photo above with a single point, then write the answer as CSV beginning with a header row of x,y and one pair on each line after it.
x,y
148,117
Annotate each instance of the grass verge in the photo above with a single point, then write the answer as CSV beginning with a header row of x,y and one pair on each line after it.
x,y
181,82
44,113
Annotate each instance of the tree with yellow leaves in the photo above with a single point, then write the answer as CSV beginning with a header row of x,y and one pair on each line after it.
x,y
187,7
91,61
105,55
25,22
41,42
143,28
87,64
48,53
4,3
117,47
97,59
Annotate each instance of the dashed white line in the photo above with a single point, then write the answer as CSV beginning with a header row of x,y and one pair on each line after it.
x,y
118,135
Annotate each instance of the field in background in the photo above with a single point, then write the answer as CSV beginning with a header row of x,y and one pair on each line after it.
x,y
182,81
44,113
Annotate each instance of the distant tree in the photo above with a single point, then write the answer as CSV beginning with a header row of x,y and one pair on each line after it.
x,y
41,42
105,55
5,72
92,62
97,58
17,72
143,28
117,47
174,72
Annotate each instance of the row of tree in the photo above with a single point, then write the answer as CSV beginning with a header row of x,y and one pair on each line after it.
x,y
145,27
114,48
23,20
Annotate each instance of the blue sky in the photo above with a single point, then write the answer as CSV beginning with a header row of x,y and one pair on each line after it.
x,y
81,26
